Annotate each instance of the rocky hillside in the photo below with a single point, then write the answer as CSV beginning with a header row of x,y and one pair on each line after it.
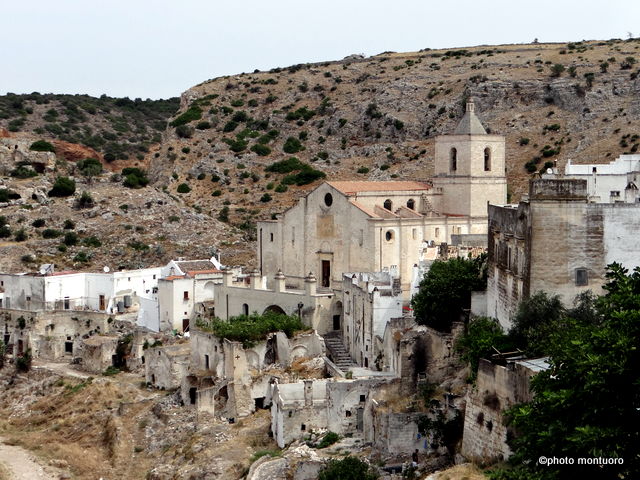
x,y
117,128
244,147
376,118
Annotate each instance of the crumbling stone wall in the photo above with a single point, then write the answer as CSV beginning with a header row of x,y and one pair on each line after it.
x,y
485,431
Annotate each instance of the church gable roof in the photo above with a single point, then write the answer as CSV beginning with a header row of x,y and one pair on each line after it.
x,y
351,188
470,123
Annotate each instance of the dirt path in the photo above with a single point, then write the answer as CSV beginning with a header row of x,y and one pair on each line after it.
x,y
19,464
63,369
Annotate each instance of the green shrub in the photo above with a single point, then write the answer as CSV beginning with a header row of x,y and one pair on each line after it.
x,y
85,201
23,362
38,223
69,225
205,125
51,233
6,195
183,188
81,257
183,131
260,149
399,124
20,235
70,239
252,328
363,170
42,146
89,167
285,166
230,126
193,113
328,439
300,114
92,242
185,150
23,171
349,468
223,215
265,198
216,193
292,145
63,187
5,231
281,188
134,177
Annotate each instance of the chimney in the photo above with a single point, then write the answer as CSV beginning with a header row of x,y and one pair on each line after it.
x,y
255,280
279,283
308,393
310,284
227,278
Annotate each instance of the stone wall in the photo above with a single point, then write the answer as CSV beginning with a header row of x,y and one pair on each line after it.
x,y
497,388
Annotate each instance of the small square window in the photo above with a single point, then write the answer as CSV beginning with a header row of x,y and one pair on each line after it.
x,y
582,277
362,398
303,427
347,413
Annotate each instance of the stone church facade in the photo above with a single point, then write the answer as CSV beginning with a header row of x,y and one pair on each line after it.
x,y
369,226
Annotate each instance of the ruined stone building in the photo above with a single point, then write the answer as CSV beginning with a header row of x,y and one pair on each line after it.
x,y
498,387
370,301
315,308
353,226
558,242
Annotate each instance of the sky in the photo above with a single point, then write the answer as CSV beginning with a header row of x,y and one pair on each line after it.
x,y
158,49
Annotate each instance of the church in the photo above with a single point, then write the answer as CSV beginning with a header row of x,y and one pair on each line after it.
x,y
371,226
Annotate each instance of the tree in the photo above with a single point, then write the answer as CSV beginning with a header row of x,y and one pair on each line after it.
x,y
349,468
89,167
42,146
483,335
586,404
446,290
557,69
537,317
63,187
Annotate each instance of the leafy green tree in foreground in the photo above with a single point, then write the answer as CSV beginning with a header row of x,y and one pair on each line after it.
x,y
446,290
587,405
349,468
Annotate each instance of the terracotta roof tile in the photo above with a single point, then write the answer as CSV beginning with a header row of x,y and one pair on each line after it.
x,y
350,188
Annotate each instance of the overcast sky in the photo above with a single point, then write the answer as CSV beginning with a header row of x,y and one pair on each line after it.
x,y
158,49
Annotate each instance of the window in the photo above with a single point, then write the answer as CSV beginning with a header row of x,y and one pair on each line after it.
x,y
487,159
185,295
154,277
362,398
414,233
411,204
328,199
28,298
453,163
387,204
582,277
154,290
206,362
437,233
594,170
303,427
615,193
347,413
271,237
245,309
389,235
293,235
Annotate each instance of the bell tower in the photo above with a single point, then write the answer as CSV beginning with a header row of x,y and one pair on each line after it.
x,y
470,168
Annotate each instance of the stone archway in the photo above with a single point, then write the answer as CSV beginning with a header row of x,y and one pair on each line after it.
x,y
274,309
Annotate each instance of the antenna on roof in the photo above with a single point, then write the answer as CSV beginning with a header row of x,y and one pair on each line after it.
x,y
106,269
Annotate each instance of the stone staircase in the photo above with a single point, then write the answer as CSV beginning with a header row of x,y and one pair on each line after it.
x,y
337,352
